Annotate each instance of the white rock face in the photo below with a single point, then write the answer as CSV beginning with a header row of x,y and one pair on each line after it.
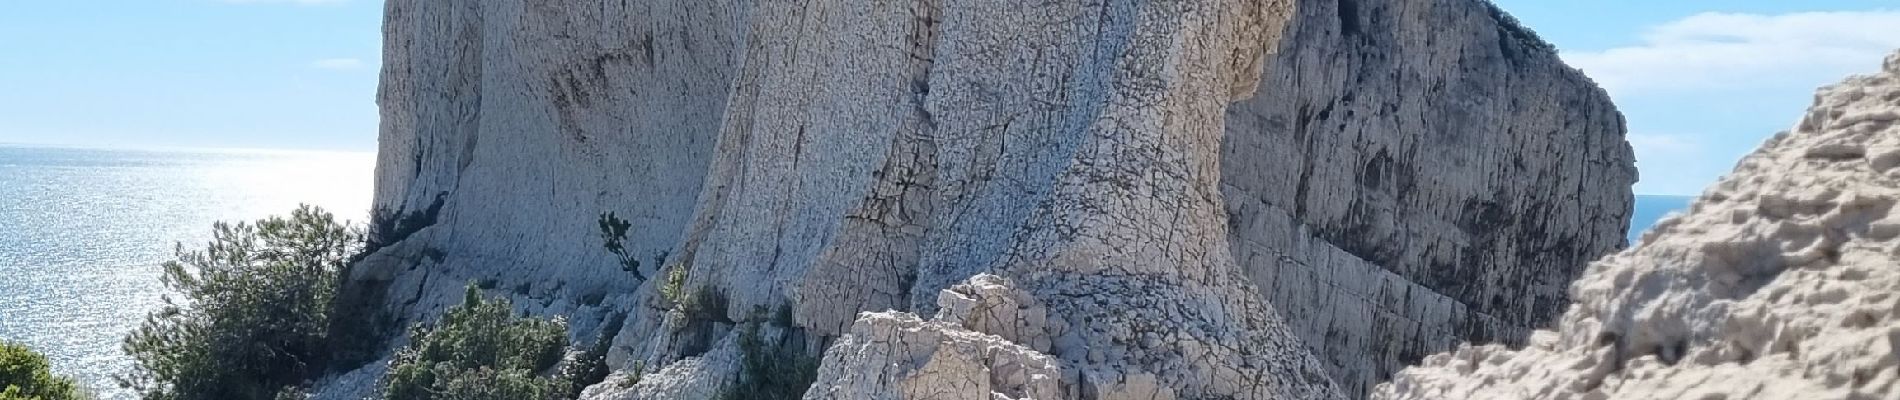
x,y
510,125
1121,172
699,377
1088,178
1780,282
895,355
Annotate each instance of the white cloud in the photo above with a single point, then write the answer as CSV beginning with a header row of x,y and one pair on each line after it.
x,y
1662,145
1672,164
1721,50
338,64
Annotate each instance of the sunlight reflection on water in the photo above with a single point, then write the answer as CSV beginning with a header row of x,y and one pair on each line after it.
x,y
82,232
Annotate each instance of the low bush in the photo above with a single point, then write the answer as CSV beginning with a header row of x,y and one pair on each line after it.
x,y
633,376
480,350
770,371
706,304
702,311
254,313
26,375
701,304
590,367
673,290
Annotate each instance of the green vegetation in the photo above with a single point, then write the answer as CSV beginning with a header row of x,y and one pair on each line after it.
x,y
591,366
26,375
705,304
702,309
674,289
255,311
702,304
478,351
1510,29
770,371
613,234
634,374
783,317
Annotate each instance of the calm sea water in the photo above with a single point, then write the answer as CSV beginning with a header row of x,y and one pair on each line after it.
x,y
82,232
1650,209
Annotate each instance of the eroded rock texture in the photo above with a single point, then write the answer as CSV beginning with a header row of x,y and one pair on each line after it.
x,y
1416,174
1180,199
509,126
1778,283
1071,148
983,343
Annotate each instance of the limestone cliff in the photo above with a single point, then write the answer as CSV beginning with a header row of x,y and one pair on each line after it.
x,y
1416,174
1778,283
1177,199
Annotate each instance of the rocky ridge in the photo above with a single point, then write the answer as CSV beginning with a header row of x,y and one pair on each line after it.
x,y
1122,173
1779,282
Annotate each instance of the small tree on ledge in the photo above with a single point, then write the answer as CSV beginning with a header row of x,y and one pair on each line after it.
x,y
613,232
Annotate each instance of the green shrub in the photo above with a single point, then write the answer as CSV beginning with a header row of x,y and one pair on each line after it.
x,y
26,375
590,367
706,304
703,310
634,374
613,235
480,350
701,304
254,314
783,317
674,289
770,371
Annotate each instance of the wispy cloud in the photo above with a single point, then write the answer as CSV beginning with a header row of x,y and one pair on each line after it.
x,y
1717,50
339,64
1673,164
1661,146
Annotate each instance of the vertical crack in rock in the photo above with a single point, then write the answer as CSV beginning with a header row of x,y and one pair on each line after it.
x,y
1186,199
1126,248
873,262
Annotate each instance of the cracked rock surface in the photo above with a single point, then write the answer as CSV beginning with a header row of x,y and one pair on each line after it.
x,y
1781,281
971,350
1417,174
1116,199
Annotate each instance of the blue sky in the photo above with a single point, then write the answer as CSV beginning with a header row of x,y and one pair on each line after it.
x,y
190,73
1701,81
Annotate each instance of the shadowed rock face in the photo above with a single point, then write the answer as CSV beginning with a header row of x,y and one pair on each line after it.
x,y
1418,174
1779,282
1196,197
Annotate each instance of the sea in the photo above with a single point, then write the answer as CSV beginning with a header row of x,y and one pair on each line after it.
x,y
1651,209
82,232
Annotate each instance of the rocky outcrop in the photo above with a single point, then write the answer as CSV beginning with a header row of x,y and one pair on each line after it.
x,y
1416,174
1180,199
988,340
1087,177
1779,282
